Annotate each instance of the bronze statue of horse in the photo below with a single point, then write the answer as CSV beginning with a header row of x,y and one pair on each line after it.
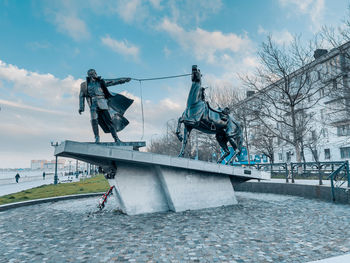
x,y
199,115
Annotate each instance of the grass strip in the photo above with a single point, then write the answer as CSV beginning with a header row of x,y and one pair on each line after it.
x,y
91,185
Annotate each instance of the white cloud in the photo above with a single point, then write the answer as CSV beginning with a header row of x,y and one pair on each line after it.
x,y
193,12
167,51
128,9
40,86
156,4
205,45
313,8
65,15
156,114
283,37
35,109
121,47
28,107
39,45
167,103
72,25
251,61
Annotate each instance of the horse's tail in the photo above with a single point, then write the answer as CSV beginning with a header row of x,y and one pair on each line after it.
x,y
178,131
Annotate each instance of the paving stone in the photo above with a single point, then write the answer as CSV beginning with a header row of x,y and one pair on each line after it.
x,y
262,228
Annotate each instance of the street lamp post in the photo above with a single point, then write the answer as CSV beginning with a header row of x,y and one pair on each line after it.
x,y
55,179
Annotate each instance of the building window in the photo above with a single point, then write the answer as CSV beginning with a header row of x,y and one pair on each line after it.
x,y
313,135
327,154
288,156
280,156
322,114
334,83
345,152
321,92
343,130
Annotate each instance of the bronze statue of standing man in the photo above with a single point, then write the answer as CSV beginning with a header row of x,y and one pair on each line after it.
x,y
106,108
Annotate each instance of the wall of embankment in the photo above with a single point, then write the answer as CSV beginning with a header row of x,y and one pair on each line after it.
x,y
342,195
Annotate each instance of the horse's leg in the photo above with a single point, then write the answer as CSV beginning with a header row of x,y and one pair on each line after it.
x,y
178,134
234,136
223,144
187,132
237,147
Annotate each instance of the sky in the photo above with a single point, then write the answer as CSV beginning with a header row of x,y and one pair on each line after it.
x,y
47,47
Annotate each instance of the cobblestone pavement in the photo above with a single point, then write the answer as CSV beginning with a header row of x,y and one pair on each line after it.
x,y
261,228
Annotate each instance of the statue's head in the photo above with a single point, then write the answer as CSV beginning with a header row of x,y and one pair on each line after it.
x,y
196,74
92,73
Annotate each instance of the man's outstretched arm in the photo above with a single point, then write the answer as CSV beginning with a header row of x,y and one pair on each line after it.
x,y
112,82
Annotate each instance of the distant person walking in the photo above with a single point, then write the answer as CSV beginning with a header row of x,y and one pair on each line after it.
x,y
44,175
17,177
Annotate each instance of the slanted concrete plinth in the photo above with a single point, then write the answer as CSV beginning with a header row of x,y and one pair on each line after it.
x,y
144,189
147,182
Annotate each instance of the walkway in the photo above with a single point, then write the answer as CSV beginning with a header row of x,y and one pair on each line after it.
x,y
6,189
261,228
11,188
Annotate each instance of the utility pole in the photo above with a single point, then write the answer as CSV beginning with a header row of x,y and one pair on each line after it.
x,y
55,179
70,167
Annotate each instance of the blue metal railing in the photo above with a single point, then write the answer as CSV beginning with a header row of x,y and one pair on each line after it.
x,y
318,169
339,177
276,169
337,172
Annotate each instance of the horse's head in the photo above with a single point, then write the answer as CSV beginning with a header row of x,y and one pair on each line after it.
x,y
196,74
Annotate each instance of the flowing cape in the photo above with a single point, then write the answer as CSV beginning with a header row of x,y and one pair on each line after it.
x,y
117,104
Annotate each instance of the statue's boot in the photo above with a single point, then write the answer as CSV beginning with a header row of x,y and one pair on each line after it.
x,y
94,124
114,135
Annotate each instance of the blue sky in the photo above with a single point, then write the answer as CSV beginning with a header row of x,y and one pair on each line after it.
x,y
47,46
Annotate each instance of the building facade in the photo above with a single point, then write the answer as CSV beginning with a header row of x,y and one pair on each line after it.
x,y
47,165
321,112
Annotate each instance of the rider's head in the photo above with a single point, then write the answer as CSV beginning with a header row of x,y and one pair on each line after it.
x,y
92,73
226,110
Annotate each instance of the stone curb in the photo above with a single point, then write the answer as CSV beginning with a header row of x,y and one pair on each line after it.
x,y
47,200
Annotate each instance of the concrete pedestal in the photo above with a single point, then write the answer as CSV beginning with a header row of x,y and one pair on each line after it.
x,y
141,189
147,182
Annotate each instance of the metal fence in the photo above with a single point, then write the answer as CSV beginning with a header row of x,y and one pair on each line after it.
x,y
337,172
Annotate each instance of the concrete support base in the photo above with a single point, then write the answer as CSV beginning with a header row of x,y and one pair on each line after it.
x,y
147,182
147,189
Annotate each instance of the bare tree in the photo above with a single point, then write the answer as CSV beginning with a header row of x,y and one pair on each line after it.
x,y
230,97
264,142
168,143
287,88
